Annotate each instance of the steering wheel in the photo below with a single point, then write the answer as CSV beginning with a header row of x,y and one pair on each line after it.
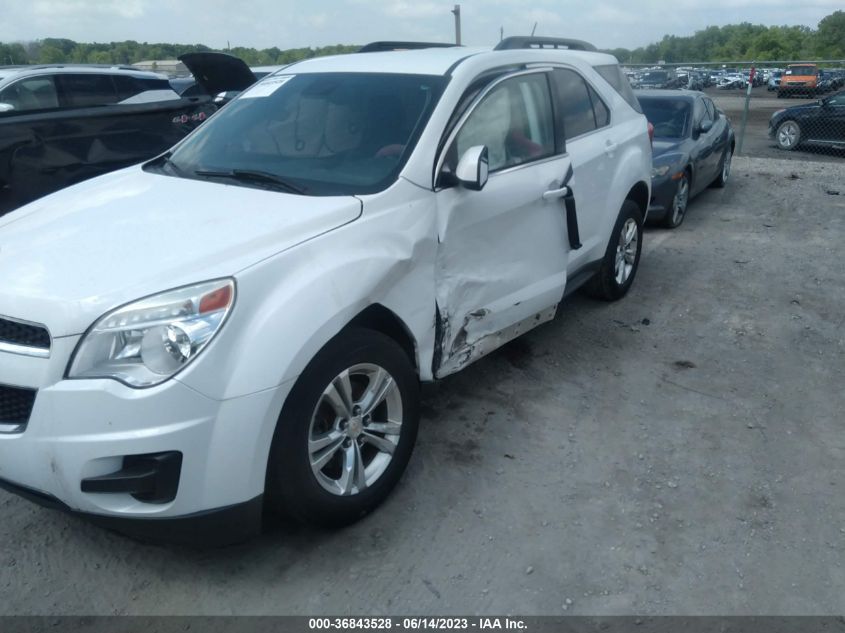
x,y
393,151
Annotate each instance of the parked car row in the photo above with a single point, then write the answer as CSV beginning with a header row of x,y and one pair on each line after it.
x,y
798,79
660,78
240,324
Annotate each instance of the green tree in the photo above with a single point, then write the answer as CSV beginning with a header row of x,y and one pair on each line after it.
x,y
50,55
830,38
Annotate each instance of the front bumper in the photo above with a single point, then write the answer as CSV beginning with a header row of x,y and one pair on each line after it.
x,y
212,528
84,429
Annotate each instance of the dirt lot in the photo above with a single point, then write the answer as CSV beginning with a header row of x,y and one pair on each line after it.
x,y
679,452
761,107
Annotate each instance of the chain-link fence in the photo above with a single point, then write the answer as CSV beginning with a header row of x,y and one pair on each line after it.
x,y
783,109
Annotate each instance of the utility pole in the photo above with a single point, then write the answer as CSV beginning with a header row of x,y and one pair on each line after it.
x,y
457,12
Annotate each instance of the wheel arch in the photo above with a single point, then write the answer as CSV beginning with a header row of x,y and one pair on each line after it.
x,y
639,195
381,319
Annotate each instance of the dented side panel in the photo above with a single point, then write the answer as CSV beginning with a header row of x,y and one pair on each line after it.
x,y
501,261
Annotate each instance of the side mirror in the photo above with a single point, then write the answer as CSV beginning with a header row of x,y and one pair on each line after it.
x,y
705,127
474,168
6,107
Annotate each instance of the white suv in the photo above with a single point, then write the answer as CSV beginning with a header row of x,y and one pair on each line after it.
x,y
242,323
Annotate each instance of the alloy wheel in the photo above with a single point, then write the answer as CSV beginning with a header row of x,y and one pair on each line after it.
x,y
788,135
726,167
626,251
679,203
355,429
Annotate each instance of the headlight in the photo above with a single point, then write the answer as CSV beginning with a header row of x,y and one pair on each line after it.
x,y
147,342
659,172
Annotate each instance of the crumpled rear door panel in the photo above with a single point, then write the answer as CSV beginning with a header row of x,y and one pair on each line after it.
x,y
501,262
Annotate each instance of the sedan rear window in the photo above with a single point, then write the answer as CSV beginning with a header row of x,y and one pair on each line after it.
x,y
670,117
324,133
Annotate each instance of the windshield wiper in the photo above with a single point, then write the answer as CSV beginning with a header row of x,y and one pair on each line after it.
x,y
164,161
252,175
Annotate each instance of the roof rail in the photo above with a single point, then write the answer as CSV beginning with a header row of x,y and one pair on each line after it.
x,y
380,47
79,65
523,41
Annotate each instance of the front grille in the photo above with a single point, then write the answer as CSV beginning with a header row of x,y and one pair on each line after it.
x,y
24,334
15,407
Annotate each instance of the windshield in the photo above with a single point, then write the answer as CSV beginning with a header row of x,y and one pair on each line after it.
x,y
655,76
322,133
668,116
801,70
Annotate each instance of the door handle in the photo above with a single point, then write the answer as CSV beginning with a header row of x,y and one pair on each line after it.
x,y
551,194
610,147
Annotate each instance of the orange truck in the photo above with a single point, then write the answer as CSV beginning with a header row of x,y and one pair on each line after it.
x,y
799,78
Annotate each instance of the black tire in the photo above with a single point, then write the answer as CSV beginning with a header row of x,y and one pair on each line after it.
x,y
724,174
604,285
292,487
675,216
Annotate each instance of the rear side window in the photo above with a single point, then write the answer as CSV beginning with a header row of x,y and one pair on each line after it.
x,y
711,108
88,90
127,87
580,108
601,110
613,75
33,93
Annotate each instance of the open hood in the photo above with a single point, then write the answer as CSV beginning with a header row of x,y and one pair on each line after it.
x,y
219,72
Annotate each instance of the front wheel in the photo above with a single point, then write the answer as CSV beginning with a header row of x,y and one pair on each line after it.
x,y
346,432
788,135
622,257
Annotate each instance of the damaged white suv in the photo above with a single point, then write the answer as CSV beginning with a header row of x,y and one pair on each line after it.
x,y
242,323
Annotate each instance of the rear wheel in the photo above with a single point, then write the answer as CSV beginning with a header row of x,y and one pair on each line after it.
x,y
676,214
622,258
725,173
788,135
346,433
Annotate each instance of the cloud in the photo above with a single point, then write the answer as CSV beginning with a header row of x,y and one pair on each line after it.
x,y
404,9
82,8
318,20
294,23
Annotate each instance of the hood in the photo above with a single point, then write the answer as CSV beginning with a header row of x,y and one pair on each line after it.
x,y
794,110
70,257
218,72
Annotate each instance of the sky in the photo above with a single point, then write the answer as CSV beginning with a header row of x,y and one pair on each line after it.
x,y
301,23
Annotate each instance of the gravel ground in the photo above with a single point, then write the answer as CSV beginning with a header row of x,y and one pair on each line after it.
x,y
679,452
